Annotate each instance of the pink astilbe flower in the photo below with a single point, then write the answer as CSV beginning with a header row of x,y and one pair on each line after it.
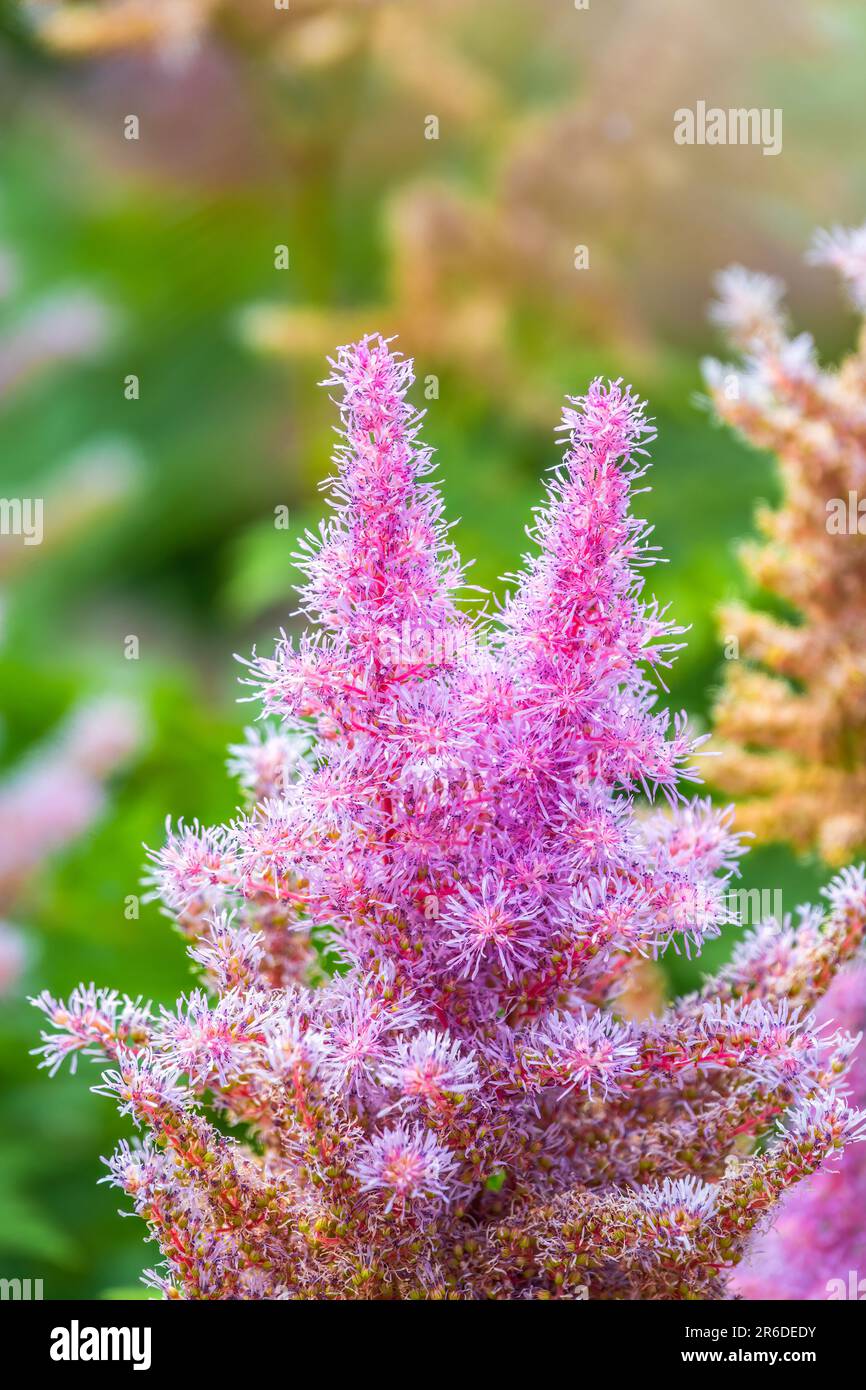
x,y
462,1110
679,1208
55,793
817,1239
97,1022
490,926
407,1165
590,1051
429,1068
268,761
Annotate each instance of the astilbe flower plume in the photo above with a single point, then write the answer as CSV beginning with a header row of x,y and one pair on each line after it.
x,y
462,1110
792,712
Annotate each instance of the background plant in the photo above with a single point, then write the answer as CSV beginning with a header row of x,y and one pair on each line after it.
x,y
791,712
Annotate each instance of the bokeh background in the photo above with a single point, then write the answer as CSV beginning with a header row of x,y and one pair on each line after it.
x,y
429,168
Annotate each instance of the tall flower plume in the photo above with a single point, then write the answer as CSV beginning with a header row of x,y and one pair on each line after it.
x,y
792,712
463,1110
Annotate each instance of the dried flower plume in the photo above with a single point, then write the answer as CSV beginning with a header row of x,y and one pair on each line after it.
x,y
792,712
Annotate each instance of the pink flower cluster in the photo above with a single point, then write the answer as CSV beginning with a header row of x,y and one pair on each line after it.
x,y
414,941
817,1247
